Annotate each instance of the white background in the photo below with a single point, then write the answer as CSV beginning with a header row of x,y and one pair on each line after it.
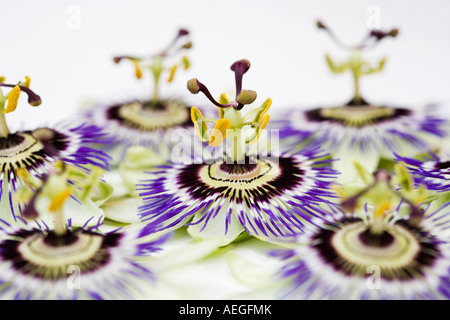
x,y
66,47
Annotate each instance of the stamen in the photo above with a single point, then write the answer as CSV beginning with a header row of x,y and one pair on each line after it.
x,y
172,73
186,63
200,124
377,226
259,128
13,98
235,120
138,71
155,65
58,201
27,82
33,98
219,132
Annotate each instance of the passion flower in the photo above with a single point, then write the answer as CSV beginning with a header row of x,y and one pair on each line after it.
x,y
379,251
260,192
38,262
147,122
360,130
36,150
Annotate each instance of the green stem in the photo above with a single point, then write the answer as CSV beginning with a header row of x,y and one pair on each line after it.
x,y
60,226
237,153
4,130
155,88
156,68
357,96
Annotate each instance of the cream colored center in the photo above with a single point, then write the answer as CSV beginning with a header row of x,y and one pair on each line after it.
x,y
35,250
21,151
356,116
152,119
264,171
400,253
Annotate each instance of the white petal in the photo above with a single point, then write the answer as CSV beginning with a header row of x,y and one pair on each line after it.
x,y
215,228
252,269
181,250
123,210
114,179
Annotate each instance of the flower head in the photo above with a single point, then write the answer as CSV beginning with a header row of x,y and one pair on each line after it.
x,y
390,248
147,122
37,262
35,150
359,129
263,194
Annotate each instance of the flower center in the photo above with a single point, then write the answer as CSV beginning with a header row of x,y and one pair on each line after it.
x,y
151,116
393,249
236,171
47,255
356,116
60,251
399,251
249,173
18,146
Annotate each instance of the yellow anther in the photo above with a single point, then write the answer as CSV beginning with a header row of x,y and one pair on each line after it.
x,y
380,211
200,125
266,105
2,79
259,129
27,82
338,190
172,73
264,121
186,63
58,201
377,226
219,133
13,98
222,100
138,71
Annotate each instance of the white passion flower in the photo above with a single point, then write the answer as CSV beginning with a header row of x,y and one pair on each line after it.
x,y
34,151
264,194
38,262
380,250
360,130
149,123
